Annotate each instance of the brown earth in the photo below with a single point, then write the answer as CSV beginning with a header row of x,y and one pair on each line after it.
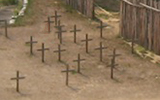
x,y
135,78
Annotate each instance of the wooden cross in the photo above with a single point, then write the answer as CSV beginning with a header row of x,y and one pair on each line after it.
x,y
114,55
49,24
31,42
43,50
60,31
101,28
59,52
87,40
17,80
112,67
75,30
67,73
59,24
101,50
79,62
56,16
6,27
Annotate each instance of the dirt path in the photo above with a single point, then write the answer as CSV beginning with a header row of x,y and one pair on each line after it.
x,y
6,12
135,78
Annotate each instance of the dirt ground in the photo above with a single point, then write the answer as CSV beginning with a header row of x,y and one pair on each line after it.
x,y
134,78
6,12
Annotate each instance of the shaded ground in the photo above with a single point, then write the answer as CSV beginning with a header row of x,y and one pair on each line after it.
x,y
6,12
111,5
135,78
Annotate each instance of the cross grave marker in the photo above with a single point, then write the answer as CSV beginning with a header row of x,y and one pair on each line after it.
x,y
67,73
75,30
59,24
59,32
49,23
56,16
17,78
101,48
59,52
87,41
6,27
43,51
31,42
101,28
112,67
114,55
79,62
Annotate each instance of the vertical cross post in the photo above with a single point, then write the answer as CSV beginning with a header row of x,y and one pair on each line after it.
x,y
59,52
43,51
49,24
31,42
59,32
56,16
67,73
75,30
17,80
101,48
87,41
101,28
79,62
59,24
114,55
112,67
6,29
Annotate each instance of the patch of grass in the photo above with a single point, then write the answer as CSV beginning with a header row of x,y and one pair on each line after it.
x,y
18,8
74,72
103,16
141,49
27,44
28,17
109,5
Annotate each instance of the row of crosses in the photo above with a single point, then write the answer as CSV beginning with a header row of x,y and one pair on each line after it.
x,y
60,50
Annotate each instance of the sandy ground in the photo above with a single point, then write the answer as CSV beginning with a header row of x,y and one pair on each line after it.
x,y
6,12
134,78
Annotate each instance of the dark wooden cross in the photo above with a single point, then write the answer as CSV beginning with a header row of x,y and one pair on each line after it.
x,y
43,50
114,55
6,27
49,24
67,73
79,62
59,24
59,32
101,48
59,52
87,40
17,79
75,30
56,16
101,28
31,42
112,67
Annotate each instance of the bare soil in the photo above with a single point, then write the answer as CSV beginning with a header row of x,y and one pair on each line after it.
x,y
134,78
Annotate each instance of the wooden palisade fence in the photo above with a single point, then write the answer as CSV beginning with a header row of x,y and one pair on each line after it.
x,y
141,19
86,7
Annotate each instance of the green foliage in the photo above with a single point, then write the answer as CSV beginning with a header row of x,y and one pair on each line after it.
x,y
27,19
8,2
